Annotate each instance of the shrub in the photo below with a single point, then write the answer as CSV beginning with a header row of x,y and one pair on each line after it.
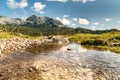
x,y
96,42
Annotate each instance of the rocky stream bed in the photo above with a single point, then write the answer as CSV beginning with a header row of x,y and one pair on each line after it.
x,y
69,62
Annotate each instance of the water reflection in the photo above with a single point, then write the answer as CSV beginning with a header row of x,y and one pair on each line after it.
x,y
78,53
104,64
70,62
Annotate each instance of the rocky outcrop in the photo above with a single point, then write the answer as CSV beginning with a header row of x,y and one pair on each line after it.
x,y
16,44
57,39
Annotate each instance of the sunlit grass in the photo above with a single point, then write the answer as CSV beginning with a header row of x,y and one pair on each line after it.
x,y
106,37
12,35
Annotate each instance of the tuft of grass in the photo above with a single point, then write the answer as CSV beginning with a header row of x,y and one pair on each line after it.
x,y
115,49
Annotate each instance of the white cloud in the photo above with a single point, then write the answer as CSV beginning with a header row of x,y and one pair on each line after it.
x,y
96,23
38,7
73,24
74,19
118,21
83,1
65,16
58,0
58,18
93,27
83,21
14,4
108,19
64,20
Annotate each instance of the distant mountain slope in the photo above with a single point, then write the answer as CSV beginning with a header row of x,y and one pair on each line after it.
x,y
32,20
37,20
8,20
36,25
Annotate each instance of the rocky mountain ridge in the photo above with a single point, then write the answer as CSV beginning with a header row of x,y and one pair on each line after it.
x,y
7,20
32,20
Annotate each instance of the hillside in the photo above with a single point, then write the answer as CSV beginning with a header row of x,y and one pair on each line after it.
x,y
31,20
37,25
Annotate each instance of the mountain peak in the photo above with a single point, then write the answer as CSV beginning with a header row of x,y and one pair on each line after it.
x,y
44,20
34,16
32,20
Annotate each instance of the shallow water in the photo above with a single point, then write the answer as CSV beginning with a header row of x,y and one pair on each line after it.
x,y
71,62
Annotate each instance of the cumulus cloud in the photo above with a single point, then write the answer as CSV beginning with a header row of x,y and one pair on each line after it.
x,y
83,21
64,20
93,27
83,1
118,21
96,23
13,4
65,16
38,7
58,0
74,19
73,24
108,19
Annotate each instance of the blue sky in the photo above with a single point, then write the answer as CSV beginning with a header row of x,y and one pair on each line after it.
x,y
92,14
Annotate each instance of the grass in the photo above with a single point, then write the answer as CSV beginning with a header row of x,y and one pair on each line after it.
x,y
109,38
12,35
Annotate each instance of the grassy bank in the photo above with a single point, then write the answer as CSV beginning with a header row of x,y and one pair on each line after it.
x,y
12,35
92,41
105,41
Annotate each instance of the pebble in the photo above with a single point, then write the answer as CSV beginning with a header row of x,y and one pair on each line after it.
x,y
32,69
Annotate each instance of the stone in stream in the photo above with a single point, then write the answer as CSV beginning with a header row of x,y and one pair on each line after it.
x,y
112,66
69,49
0,75
32,69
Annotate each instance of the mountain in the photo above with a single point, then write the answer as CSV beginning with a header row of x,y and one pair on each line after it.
x,y
32,20
37,20
7,20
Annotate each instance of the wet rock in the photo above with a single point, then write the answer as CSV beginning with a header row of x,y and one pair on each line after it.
x,y
69,49
32,69
0,75
44,70
60,40
112,66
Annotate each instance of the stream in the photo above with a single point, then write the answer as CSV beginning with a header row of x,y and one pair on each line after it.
x,y
70,62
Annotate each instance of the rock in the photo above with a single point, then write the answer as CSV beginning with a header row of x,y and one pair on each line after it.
x,y
60,40
0,75
68,49
2,46
14,44
112,65
32,69
0,52
115,44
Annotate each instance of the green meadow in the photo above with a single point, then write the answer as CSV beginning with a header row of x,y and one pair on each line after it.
x,y
106,41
